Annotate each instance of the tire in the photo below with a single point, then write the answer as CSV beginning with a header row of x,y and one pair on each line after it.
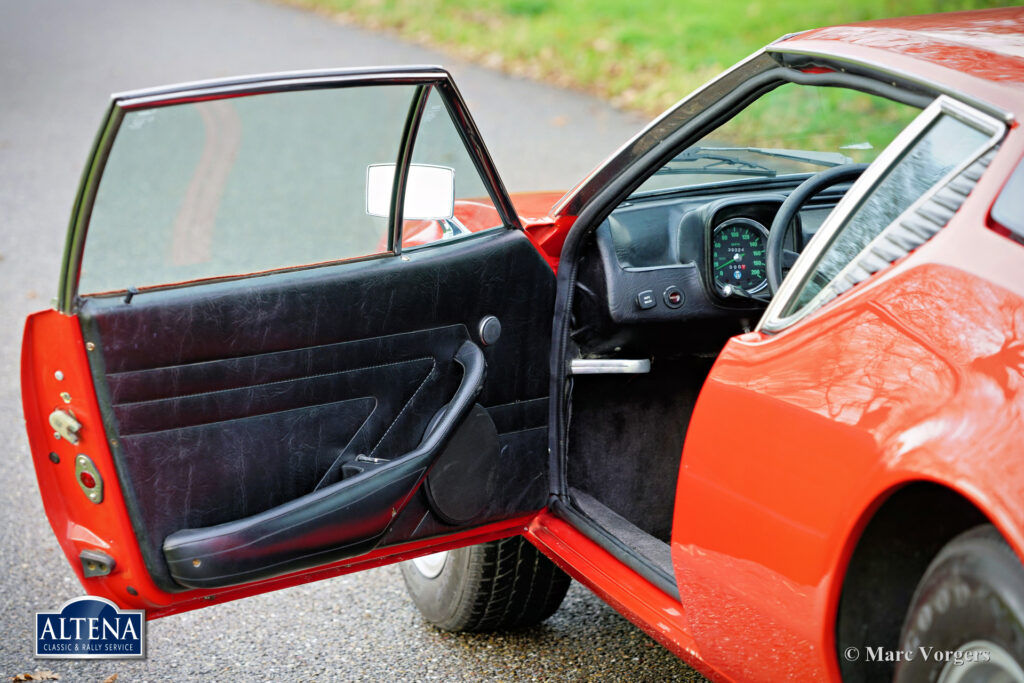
x,y
493,586
968,607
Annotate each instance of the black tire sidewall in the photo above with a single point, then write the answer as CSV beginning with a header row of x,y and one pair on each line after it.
x,y
498,585
973,590
442,599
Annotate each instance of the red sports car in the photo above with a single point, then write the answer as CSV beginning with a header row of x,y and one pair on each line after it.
x,y
757,381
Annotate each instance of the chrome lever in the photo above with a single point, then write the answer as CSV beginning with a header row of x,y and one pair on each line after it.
x,y
609,366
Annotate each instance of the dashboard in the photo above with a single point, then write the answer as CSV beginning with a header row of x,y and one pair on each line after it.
x,y
679,257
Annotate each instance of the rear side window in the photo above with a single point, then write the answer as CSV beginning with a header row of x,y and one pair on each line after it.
x,y
1008,211
947,143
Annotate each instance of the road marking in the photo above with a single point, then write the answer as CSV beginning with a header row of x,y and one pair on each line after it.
x,y
196,219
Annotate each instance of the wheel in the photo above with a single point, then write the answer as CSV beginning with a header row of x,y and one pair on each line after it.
x,y
969,610
499,585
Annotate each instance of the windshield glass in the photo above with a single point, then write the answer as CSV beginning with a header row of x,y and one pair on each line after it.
x,y
791,130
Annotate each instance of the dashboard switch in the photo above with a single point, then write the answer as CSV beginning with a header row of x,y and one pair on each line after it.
x,y
645,299
673,297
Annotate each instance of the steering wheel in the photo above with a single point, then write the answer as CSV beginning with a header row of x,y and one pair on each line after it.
x,y
777,256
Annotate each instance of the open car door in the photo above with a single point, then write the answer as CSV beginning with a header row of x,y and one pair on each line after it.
x,y
248,383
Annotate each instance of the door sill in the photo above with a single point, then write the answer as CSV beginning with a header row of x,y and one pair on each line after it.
x,y
628,543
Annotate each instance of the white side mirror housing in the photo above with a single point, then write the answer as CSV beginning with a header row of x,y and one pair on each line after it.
x,y
429,192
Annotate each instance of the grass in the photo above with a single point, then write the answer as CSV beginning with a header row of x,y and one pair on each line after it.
x,y
638,54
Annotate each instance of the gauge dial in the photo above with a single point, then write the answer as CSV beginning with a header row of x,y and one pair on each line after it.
x,y
738,255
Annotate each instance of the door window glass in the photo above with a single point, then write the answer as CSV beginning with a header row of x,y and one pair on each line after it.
x,y
241,185
438,144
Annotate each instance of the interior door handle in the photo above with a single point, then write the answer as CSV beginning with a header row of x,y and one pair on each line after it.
x,y
342,520
474,369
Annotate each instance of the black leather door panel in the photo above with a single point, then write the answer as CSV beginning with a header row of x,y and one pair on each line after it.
x,y
229,399
342,520
404,377
205,471
189,379
189,394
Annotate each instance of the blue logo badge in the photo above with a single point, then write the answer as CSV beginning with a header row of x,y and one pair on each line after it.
x,y
91,628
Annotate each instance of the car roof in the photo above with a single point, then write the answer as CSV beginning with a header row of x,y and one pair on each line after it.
x,y
980,52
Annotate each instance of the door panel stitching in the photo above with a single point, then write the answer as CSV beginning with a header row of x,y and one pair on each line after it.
x,y
404,407
278,381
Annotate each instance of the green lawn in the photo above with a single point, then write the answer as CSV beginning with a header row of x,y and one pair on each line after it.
x,y
639,54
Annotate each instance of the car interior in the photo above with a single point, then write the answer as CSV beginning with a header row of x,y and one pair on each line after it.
x,y
684,262
626,430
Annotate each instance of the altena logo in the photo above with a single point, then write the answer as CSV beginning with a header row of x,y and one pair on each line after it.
x,y
91,628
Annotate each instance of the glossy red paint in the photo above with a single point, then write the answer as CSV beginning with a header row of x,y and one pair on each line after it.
x,y
977,52
377,558
53,344
631,595
549,237
915,375
535,210
52,347
985,44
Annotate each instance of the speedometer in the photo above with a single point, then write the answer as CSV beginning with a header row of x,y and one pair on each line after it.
x,y
738,255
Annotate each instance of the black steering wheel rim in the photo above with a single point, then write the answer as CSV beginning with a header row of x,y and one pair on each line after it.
x,y
791,207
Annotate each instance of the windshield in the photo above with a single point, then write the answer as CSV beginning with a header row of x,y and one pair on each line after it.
x,y
792,130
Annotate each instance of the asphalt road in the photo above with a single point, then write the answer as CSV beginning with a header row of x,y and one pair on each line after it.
x,y
58,62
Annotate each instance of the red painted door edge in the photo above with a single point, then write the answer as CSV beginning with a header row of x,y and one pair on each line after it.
x,y
55,375
635,598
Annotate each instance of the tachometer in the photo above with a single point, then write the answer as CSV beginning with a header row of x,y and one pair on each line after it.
x,y
738,255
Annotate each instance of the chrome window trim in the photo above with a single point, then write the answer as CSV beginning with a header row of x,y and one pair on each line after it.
x,y
773,319
81,210
278,81
409,132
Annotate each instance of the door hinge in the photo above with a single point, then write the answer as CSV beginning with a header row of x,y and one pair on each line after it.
x,y
65,426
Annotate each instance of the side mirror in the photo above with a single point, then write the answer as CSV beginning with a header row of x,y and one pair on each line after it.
x,y
429,192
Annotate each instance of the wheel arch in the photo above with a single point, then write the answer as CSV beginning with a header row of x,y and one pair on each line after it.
x,y
887,552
